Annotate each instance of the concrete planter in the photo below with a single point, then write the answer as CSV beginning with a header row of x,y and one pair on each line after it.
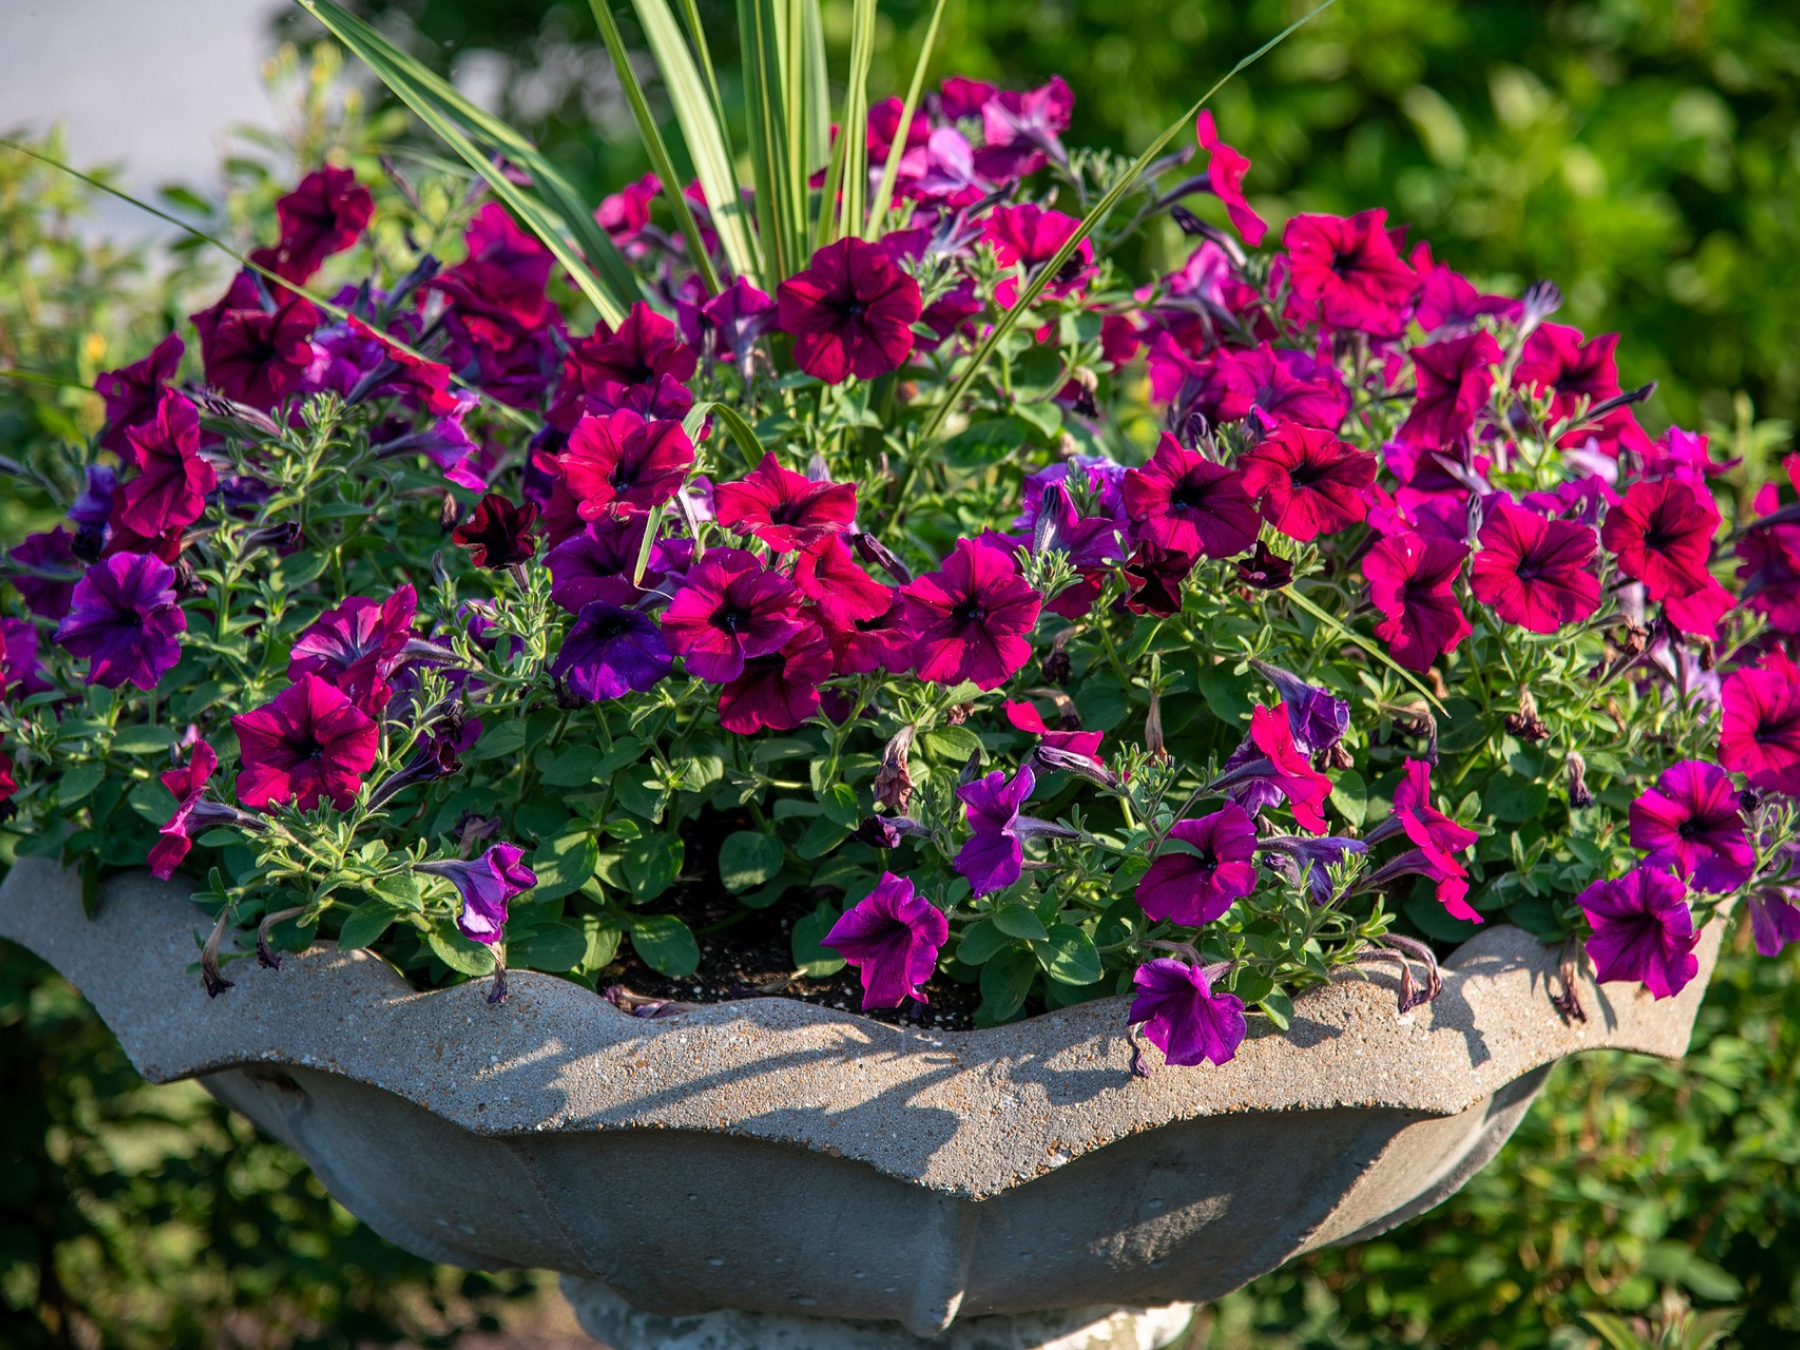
x,y
829,1180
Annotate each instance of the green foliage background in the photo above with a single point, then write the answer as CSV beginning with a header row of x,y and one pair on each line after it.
x,y
1644,153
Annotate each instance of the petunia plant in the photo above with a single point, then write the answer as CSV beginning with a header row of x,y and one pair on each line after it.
x,y
858,553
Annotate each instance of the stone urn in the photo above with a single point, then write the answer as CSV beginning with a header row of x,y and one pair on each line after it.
x,y
771,1174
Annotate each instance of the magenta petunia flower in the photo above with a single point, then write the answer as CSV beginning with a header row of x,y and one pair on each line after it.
x,y
1558,362
1455,378
1436,836
1770,573
21,673
124,619
850,313
618,464
784,509
880,642
994,855
1309,482
1022,129
310,743
169,490
487,885
1268,768
1185,503
1759,735
44,571
729,610
357,646
1346,274
829,577
1317,718
625,213
1449,303
1027,718
1288,386
1027,236
1643,931
325,214
132,393
779,690
1197,883
1662,535
610,651
1298,857
1774,917
973,617
892,936
963,97
188,783
258,358
1225,170
1182,1016
1691,822
1411,578
736,317
500,532
1533,571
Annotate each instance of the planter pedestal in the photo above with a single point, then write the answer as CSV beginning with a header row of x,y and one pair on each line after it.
x,y
771,1175
613,1322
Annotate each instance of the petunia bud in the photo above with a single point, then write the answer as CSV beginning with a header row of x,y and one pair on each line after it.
x,y
1067,761
893,781
1576,767
878,554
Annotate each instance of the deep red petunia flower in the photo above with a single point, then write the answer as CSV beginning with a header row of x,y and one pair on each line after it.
x,y
258,358
169,491
1455,378
1662,535
1770,572
1225,170
1533,571
1410,581
1759,735
1184,502
326,213
311,743
132,393
645,347
850,313
731,609
831,579
784,509
778,690
619,464
1154,575
500,533
883,641
1028,236
1310,483
973,617
1346,274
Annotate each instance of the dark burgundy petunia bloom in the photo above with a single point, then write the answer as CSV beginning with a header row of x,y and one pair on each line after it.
x,y
1346,274
619,464
1263,570
1643,931
1310,483
880,642
646,347
1533,571
500,533
610,651
779,690
731,609
188,783
1225,170
310,743
258,358
1185,503
973,617
1557,362
1411,579
8,784
1027,236
1155,576
487,885
325,214
169,490
44,571
124,619
1692,822
892,936
1182,1016
784,509
1211,867
1759,735
1662,535
1455,378
132,393
357,646
850,313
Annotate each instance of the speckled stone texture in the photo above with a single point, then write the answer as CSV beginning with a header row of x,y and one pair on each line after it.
x,y
770,1156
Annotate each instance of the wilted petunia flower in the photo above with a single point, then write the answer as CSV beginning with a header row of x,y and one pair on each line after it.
x,y
124,619
1182,1015
1294,856
310,743
1643,931
487,885
1268,767
892,936
1774,918
1691,821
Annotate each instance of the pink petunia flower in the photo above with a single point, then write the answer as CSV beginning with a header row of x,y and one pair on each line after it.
x,y
1268,768
1436,836
1662,535
1346,274
1691,822
1310,483
1533,571
730,609
310,744
1759,734
1225,170
973,617
357,646
850,313
892,936
1025,717
784,509
1411,579
1455,378
1027,236
169,490
1643,931
1185,503
188,783
618,464
1211,867
1183,1017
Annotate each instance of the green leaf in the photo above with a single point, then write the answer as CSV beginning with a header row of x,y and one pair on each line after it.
x,y
564,864
1070,956
1351,797
143,740
1252,985
364,924
500,740
289,574
815,961
749,446
955,744
151,800
1461,727
748,859
1020,921
460,954
554,946
575,767
665,944
1279,1009
625,750
651,865
639,791
980,940
1005,982
840,805
1229,696
79,781
1434,921
1513,799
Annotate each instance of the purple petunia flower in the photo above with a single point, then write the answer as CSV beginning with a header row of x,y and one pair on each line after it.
x,y
994,856
124,619
1182,1015
1198,883
892,937
93,508
1643,931
487,885
1775,918
1317,719
1691,822
45,569
610,651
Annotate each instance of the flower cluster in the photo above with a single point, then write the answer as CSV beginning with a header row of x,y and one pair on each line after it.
x,y
1289,614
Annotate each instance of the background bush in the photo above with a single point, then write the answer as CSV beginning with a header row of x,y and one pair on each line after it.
x,y
1644,153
